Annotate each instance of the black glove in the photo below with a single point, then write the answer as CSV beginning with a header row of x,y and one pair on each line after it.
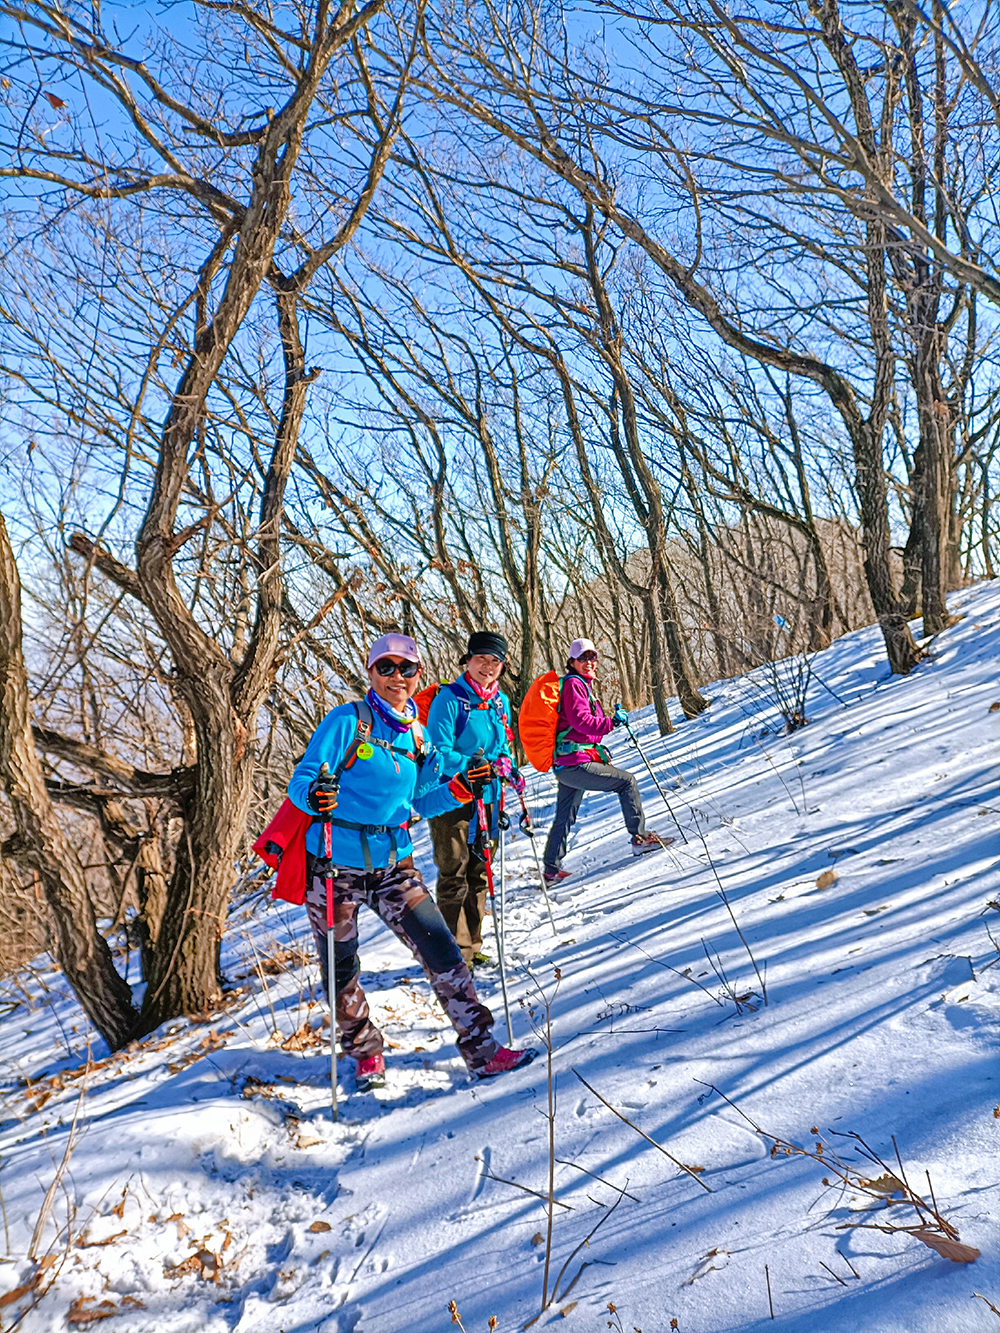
x,y
323,793
478,773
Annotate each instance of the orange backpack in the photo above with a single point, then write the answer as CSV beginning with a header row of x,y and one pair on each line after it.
x,y
424,698
538,720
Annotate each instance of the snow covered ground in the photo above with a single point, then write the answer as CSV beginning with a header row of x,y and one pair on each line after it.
x,y
206,1188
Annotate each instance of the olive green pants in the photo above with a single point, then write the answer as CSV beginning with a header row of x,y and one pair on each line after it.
x,y
461,885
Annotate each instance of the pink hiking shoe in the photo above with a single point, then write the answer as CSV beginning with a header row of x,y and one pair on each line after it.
x,y
649,842
370,1073
555,876
505,1060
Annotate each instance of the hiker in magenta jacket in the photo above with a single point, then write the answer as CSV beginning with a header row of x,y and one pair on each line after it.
x,y
582,763
367,801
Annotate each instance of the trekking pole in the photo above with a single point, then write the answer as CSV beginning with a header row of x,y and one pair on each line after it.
x,y
487,855
331,961
528,829
642,755
503,823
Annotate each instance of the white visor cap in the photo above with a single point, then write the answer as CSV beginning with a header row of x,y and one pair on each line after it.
x,y
580,646
393,645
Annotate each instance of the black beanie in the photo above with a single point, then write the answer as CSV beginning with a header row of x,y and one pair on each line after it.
x,y
485,642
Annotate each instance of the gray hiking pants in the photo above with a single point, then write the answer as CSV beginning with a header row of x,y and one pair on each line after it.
x,y
573,781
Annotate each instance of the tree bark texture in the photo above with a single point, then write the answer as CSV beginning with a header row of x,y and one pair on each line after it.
x,y
39,843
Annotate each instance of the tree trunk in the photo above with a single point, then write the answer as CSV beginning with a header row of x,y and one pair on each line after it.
x,y
658,676
185,963
691,700
39,844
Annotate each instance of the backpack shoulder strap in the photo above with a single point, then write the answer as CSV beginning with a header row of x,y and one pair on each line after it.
x,y
363,729
465,707
420,745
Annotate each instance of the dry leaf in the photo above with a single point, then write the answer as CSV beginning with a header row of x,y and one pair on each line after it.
x,y
84,1244
996,1113
320,1226
9,1297
304,1039
874,911
827,879
995,708
537,1238
887,1185
947,1249
57,104
78,1314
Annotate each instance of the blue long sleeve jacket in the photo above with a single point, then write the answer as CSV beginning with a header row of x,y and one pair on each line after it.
x,y
483,729
380,790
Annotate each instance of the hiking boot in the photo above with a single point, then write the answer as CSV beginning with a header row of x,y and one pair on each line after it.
x,y
555,876
370,1073
480,959
505,1060
649,842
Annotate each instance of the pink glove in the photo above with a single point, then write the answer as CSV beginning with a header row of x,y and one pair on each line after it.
x,y
504,769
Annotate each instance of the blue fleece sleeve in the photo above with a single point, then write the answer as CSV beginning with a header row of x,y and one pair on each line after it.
x,y
431,796
442,722
328,746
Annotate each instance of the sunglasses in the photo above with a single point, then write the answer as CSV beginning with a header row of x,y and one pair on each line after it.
x,y
588,657
386,667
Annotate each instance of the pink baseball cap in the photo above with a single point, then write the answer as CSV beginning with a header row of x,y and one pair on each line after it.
x,y
580,646
393,645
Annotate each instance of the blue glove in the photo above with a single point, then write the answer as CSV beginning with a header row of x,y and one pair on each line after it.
x,y
619,716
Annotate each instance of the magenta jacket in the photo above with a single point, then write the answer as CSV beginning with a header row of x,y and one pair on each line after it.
x,y
583,719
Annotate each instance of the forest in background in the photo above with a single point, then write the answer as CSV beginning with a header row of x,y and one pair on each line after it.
x,y
649,321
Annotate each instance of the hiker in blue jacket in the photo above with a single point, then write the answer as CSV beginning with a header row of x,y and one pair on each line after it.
x,y
470,714
380,767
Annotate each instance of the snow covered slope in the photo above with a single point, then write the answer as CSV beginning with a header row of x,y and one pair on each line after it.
x,y
205,1187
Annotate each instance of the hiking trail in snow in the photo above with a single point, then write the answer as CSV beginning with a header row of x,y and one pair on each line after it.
x,y
206,1187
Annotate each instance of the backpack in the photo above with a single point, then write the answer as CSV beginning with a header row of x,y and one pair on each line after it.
x,y
425,697
538,720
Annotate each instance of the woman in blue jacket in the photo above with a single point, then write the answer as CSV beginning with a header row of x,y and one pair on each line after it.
x,y
470,714
375,777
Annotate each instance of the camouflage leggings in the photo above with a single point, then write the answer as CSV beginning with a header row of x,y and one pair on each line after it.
x,y
399,896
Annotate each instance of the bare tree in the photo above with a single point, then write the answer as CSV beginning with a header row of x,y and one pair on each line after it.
x,y
181,143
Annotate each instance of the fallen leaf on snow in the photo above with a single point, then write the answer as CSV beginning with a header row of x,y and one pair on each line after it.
x,y
304,1039
947,1249
79,1313
320,1226
886,1184
995,708
827,879
9,1297
537,1238
84,1244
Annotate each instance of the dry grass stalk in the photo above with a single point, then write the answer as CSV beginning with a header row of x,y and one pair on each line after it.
x,y
50,1194
456,1318
931,1228
691,1171
263,981
767,1279
978,1297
